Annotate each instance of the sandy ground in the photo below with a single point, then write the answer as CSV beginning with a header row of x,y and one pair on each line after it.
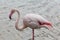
x,y
49,9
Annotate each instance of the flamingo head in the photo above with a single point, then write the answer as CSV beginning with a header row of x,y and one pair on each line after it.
x,y
12,11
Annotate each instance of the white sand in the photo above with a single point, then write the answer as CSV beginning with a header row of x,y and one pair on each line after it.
x,y
50,9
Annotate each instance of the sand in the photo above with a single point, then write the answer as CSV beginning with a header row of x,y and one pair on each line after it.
x,y
49,9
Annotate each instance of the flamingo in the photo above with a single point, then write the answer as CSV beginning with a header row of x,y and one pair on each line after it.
x,y
33,21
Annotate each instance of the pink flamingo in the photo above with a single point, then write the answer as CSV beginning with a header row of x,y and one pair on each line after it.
x,y
34,21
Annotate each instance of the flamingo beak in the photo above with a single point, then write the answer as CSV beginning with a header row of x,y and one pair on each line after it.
x,y
12,11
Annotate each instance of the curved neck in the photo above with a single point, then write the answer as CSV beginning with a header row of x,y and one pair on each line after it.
x,y
17,21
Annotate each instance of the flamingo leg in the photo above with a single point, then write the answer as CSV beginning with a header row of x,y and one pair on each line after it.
x,y
32,34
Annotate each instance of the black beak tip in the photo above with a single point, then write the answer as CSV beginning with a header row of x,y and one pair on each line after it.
x,y
10,18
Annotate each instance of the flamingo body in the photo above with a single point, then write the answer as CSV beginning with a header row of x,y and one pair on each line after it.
x,y
33,21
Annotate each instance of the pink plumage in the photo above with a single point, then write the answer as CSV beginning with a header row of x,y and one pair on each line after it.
x,y
34,21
